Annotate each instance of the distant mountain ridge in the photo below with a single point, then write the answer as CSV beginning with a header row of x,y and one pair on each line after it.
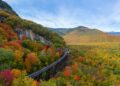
x,y
60,31
64,31
114,33
83,29
83,34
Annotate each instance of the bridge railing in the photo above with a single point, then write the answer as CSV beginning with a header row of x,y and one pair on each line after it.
x,y
50,70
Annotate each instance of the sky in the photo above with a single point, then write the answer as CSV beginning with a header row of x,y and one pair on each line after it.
x,y
100,14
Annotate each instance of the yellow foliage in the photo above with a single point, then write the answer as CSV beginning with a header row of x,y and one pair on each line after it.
x,y
16,73
34,83
18,55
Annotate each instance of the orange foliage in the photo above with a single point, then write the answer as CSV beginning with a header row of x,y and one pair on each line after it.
x,y
77,78
34,83
16,73
46,47
67,72
24,37
19,42
30,60
15,44
81,59
75,67
8,32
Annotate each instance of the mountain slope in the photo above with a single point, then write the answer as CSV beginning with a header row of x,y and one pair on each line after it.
x,y
64,31
86,35
25,45
60,31
9,17
4,6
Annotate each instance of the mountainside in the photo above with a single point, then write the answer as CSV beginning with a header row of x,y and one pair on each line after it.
x,y
60,31
25,45
86,35
80,29
10,18
4,6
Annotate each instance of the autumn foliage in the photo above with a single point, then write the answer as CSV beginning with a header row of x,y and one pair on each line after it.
x,y
67,71
75,67
7,32
7,77
17,55
22,55
77,77
30,60
16,73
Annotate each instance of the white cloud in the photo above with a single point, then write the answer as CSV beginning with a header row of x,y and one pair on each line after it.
x,y
61,19
71,18
66,16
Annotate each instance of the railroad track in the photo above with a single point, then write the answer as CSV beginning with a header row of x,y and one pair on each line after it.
x,y
50,70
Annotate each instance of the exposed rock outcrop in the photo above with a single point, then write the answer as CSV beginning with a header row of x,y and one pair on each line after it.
x,y
29,34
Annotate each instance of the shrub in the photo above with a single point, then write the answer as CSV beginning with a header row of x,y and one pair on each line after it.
x,y
6,55
31,60
23,80
6,77
16,73
6,58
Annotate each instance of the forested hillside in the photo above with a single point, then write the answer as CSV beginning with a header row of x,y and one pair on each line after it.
x,y
25,47
4,6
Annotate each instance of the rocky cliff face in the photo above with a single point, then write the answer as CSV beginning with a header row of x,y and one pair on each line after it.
x,y
31,35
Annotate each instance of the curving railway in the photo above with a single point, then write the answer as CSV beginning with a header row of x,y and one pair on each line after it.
x,y
50,70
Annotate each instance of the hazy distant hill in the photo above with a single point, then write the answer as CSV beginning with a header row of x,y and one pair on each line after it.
x,y
81,29
61,31
114,33
83,34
